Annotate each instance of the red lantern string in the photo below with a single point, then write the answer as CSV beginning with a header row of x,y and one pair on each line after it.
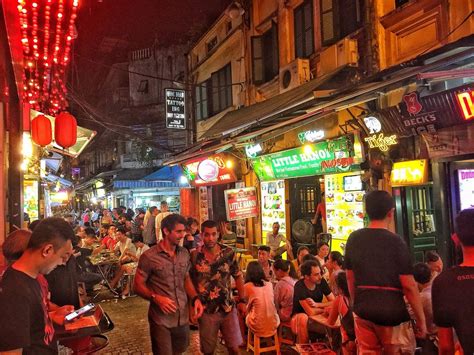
x,y
46,52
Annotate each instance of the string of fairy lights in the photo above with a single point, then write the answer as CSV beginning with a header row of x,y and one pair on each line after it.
x,y
47,51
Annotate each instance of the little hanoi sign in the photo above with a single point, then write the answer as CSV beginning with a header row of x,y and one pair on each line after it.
x,y
209,171
331,156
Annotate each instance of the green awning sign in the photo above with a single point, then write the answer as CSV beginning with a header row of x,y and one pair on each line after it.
x,y
342,154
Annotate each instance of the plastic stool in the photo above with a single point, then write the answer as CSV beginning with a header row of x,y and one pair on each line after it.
x,y
281,338
253,343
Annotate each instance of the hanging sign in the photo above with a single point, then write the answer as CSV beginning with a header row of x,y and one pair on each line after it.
x,y
175,108
211,170
337,155
409,173
381,141
253,150
241,203
466,104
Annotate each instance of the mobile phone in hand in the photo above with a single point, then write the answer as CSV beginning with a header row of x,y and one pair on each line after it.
x,y
79,312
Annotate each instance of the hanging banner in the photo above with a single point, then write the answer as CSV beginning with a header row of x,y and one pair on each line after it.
x,y
241,203
342,154
451,141
175,108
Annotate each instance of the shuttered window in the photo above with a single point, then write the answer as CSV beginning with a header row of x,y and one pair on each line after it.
x,y
304,29
265,61
339,18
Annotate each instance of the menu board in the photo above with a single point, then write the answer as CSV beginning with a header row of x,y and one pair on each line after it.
x,y
203,204
344,207
273,206
30,198
466,188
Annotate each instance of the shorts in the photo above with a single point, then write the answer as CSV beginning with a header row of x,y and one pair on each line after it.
x,y
227,323
377,339
168,341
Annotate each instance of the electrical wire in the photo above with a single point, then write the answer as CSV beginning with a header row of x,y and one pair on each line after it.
x,y
177,82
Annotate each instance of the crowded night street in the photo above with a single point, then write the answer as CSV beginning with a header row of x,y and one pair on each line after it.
x,y
237,177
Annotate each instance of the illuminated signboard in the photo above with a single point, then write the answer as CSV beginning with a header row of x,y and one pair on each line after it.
x,y
211,170
377,139
466,104
310,136
241,203
409,173
338,155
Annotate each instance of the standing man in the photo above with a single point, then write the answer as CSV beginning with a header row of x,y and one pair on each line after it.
x,y
453,304
163,278
274,241
379,274
149,233
212,267
164,212
25,324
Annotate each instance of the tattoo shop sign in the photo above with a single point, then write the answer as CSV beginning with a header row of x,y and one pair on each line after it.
x,y
175,108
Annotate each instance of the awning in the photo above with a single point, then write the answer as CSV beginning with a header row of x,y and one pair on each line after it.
x,y
166,173
138,184
237,120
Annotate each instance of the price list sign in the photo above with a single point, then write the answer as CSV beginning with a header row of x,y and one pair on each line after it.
x,y
175,108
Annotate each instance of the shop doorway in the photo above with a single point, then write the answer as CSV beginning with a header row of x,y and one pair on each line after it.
x,y
305,194
415,218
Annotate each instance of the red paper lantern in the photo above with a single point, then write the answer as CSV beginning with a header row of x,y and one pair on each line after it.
x,y
41,131
65,130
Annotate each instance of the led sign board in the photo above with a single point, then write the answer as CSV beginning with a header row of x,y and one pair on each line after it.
x,y
211,170
175,108
381,141
253,150
338,155
409,173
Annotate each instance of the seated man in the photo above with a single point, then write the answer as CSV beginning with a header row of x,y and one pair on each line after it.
x,y
264,260
308,293
435,263
275,240
423,277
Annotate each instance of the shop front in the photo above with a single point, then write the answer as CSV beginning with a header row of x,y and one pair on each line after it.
x,y
291,183
211,176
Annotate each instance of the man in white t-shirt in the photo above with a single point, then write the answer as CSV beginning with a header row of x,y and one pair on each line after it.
x,y
274,241
164,212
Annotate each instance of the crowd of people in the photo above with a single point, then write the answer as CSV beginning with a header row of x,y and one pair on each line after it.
x,y
190,275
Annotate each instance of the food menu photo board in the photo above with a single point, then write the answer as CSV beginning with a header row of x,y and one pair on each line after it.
x,y
344,206
466,188
273,206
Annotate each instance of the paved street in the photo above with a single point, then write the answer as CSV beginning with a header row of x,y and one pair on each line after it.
x,y
130,335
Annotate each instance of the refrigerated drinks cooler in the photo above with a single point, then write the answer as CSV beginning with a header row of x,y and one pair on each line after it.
x,y
344,195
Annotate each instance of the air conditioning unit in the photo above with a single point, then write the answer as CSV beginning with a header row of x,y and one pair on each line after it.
x,y
343,53
294,74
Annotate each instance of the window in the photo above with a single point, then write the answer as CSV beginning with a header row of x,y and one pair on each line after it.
x,y
143,86
339,18
304,29
265,61
211,44
201,101
221,89
215,94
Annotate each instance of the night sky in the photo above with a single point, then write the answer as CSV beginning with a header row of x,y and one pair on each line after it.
x,y
109,29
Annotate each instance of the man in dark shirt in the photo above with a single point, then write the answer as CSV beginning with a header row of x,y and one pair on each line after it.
x,y
163,278
452,292
25,324
309,291
379,274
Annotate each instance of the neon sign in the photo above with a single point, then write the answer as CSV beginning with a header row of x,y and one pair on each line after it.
x,y
310,136
253,150
407,173
466,104
209,171
381,142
